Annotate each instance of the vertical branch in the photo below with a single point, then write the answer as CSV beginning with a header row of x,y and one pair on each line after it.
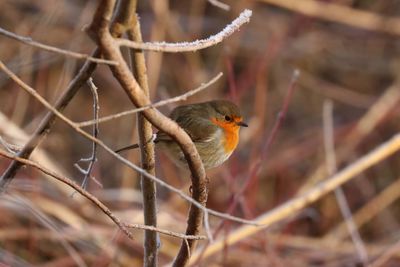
x,y
99,31
146,151
93,158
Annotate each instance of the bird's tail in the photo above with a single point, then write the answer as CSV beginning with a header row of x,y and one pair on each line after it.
x,y
134,146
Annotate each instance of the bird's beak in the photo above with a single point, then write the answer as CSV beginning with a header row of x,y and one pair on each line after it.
x,y
242,124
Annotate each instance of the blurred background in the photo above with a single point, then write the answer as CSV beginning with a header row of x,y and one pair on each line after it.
x,y
357,70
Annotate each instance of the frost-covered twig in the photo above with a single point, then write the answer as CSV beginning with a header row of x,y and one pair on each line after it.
x,y
243,18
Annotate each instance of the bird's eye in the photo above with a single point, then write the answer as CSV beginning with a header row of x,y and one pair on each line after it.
x,y
227,118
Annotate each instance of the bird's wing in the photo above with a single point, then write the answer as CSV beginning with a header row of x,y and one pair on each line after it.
x,y
195,124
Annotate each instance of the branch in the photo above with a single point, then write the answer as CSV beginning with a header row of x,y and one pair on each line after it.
x,y
151,242
70,123
75,186
296,204
155,105
243,18
99,31
123,226
48,121
29,41
340,14
118,28
92,159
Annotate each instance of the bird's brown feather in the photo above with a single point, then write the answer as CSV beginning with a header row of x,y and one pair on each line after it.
x,y
194,121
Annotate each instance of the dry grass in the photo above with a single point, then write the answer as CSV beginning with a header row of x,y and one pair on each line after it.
x,y
42,225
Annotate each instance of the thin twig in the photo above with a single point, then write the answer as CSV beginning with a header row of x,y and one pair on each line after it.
x,y
158,104
295,204
367,123
29,41
368,211
119,24
75,186
256,167
70,123
340,196
48,121
234,26
123,226
92,159
165,232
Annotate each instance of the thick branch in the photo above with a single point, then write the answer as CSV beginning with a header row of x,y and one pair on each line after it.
x,y
86,135
99,29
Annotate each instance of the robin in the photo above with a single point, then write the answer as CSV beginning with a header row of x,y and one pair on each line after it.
x,y
213,127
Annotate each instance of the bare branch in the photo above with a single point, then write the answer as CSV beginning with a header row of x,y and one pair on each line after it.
x,y
145,131
70,123
155,105
165,232
294,205
123,226
118,27
92,159
29,41
48,121
75,186
243,18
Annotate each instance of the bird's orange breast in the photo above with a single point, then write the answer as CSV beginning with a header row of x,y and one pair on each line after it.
x,y
231,134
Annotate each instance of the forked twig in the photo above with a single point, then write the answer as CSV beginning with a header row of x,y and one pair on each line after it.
x,y
92,159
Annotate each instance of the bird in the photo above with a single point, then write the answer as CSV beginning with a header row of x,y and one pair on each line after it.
x,y
213,127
